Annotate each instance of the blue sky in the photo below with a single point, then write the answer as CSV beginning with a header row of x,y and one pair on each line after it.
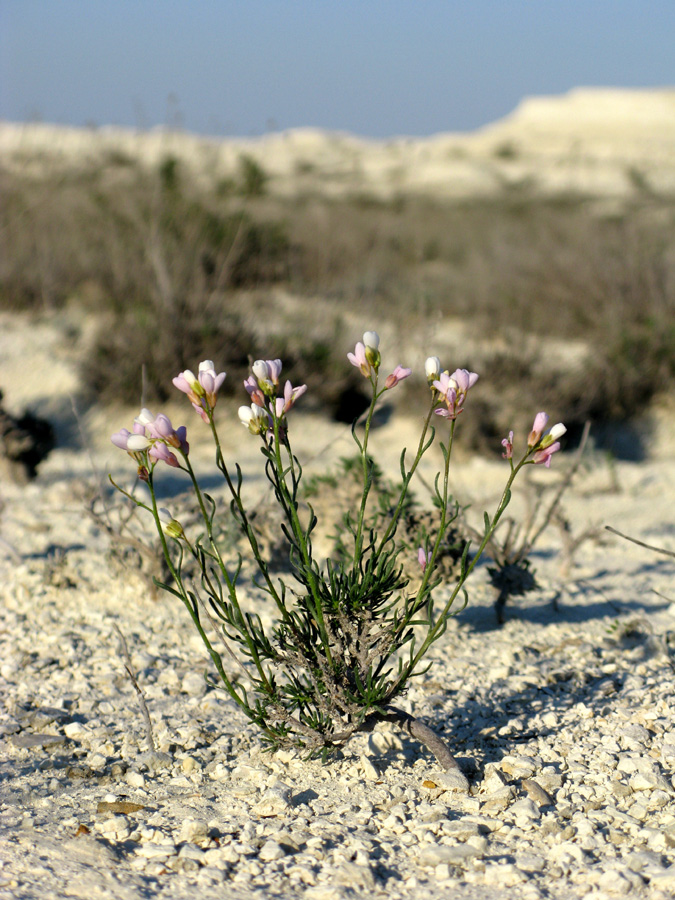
x,y
372,67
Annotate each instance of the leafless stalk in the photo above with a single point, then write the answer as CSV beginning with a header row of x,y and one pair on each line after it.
x,y
141,698
633,540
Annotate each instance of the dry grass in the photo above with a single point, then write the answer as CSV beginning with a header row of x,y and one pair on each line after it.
x,y
178,272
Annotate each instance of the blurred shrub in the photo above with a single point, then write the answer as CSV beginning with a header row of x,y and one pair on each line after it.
x,y
170,264
252,177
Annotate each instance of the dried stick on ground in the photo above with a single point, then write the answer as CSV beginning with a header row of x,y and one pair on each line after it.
x,y
141,698
661,550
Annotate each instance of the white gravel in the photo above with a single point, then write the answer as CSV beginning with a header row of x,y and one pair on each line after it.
x,y
564,720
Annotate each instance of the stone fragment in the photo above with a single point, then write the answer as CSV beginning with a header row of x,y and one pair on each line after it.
x,y
135,779
8,726
79,772
28,741
194,684
519,766
634,737
668,753
620,789
193,830
155,761
463,829
504,874
631,764
75,730
537,792
454,780
664,881
191,851
455,855
121,807
525,808
368,769
275,802
156,851
493,781
644,860
353,876
271,850
190,765
650,781
499,799
91,851
530,862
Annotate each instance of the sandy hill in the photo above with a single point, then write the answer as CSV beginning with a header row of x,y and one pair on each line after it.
x,y
602,142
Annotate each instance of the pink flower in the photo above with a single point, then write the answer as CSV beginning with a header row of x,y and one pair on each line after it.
x,y
291,394
507,444
544,445
188,383
538,426
453,389
254,391
358,359
423,557
267,372
161,429
397,375
366,355
202,390
159,451
543,456
153,433
132,442
210,382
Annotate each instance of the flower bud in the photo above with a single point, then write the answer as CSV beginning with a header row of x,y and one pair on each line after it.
x,y
255,418
170,526
137,443
423,558
261,370
432,367
371,339
538,426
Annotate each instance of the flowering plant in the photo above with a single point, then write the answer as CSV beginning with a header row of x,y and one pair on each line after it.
x,y
349,633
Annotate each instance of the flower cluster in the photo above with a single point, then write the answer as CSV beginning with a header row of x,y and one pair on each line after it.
x,y
366,357
451,389
540,446
202,388
262,387
544,445
154,435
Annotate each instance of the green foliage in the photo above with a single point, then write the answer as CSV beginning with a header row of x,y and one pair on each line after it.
x,y
252,177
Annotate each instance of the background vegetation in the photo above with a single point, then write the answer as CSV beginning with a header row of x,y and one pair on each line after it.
x,y
176,269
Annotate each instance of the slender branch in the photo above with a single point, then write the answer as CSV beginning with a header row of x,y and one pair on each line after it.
x,y
661,550
141,697
421,733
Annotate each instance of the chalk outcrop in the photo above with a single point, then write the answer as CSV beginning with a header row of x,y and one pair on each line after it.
x,y
596,141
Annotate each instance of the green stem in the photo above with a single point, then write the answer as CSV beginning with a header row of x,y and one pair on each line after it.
x,y
367,470
245,524
436,630
290,505
213,653
421,449
242,626
429,568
